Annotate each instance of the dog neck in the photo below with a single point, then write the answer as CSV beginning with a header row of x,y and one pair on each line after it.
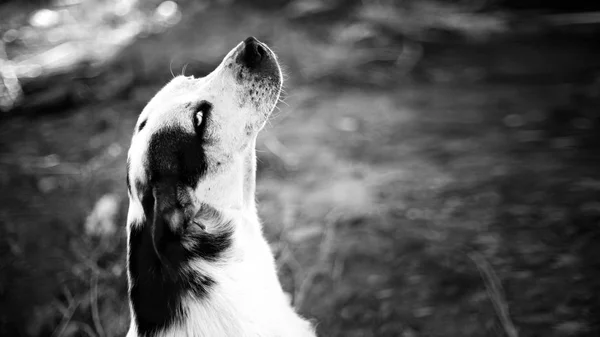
x,y
249,192
233,189
232,293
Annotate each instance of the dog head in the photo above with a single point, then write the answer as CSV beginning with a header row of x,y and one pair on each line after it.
x,y
192,140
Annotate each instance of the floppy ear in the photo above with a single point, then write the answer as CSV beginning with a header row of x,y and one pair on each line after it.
x,y
180,232
169,219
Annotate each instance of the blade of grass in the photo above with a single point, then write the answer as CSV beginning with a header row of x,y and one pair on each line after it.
x,y
94,304
495,293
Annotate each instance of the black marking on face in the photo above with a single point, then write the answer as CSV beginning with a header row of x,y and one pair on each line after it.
x,y
177,155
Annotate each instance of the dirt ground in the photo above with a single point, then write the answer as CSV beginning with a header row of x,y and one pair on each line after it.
x,y
459,199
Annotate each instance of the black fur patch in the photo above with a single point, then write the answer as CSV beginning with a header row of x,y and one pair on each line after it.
x,y
157,255
176,155
158,284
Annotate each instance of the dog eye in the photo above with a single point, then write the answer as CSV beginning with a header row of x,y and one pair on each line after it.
x,y
201,115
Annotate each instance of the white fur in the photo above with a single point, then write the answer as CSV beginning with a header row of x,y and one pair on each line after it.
x,y
247,298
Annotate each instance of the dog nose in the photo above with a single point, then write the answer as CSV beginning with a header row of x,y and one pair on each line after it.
x,y
253,52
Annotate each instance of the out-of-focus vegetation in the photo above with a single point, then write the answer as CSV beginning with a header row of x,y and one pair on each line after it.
x,y
432,171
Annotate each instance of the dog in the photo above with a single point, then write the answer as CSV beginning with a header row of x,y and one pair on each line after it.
x,y
197,261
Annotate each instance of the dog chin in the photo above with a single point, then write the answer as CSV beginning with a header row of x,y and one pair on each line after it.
x,y
257,76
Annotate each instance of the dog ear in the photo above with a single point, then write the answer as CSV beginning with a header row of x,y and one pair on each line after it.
x,y
169,219
180,231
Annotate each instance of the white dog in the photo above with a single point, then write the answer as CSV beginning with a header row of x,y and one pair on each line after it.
x,y
198,263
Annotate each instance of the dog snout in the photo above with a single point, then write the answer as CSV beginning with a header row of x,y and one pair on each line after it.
x,y
255,70
253,53
256,57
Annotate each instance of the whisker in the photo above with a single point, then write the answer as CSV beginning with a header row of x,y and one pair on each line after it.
x,y
283,99
171,68
183,69
269,122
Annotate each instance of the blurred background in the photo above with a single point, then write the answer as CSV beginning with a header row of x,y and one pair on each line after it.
x,y
432,171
